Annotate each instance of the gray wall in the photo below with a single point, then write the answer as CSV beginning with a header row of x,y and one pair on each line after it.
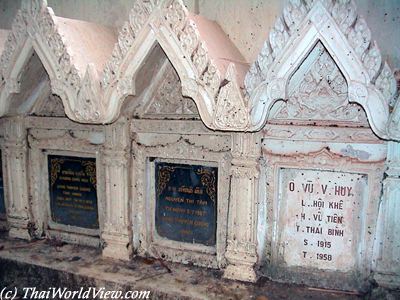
x,y
247,22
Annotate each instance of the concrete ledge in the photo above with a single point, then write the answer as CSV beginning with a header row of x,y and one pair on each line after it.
x,y
44,264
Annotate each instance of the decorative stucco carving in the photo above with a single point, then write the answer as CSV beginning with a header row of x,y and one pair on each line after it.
x,y
168,101
14,41
241,252
35,29
394,122
137,19
387,84
320,93
190,127
115,158
168,23
387,266
61,136
94,94
15,158
319,133
346,37
50,107
177,149
231,111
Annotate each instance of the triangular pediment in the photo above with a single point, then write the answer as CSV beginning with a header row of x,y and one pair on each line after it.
x,y
198,49
33,86
68,51
318,94
159,91
168,102
347,38
34,95
51,106
93,71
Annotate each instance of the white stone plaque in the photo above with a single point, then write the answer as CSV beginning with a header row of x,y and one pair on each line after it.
x,y
320,217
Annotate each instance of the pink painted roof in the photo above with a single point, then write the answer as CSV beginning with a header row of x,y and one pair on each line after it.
x,y
220,47
87,42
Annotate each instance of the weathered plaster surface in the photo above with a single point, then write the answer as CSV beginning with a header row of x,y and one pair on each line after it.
x,y
43,265
210,67
171,86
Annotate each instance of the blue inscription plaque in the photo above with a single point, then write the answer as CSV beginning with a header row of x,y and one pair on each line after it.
x,y
2,201
186,202
73,195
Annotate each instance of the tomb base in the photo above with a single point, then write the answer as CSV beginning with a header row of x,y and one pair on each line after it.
x,y
42,265
117,247
389,281
241,272
19,233
18,228
241,263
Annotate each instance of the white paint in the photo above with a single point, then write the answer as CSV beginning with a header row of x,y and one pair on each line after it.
x,y
321,213
247,225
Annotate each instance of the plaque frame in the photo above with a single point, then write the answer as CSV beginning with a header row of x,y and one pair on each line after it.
x,y
153,175
321,160
147,240
55,228
162,241
63,227
59,142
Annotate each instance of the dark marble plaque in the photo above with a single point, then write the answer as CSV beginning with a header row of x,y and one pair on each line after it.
x,y
2,201
186,202
73,195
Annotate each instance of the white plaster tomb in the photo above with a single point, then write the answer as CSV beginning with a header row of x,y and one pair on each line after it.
x,y
303,140
323,229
